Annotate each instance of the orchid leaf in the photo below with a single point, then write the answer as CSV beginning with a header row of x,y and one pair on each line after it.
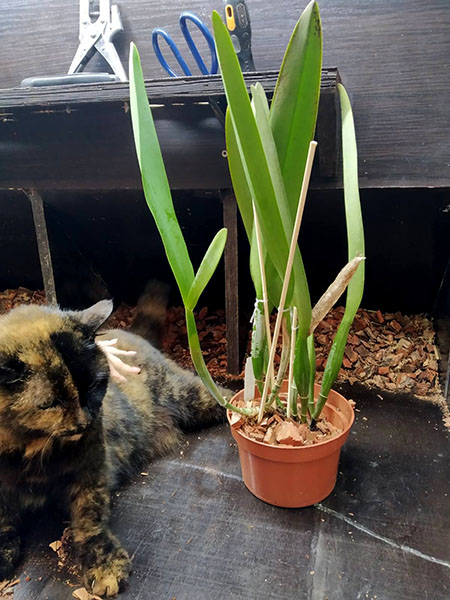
x,y
207,268
250,147
355,243
293,112
154,178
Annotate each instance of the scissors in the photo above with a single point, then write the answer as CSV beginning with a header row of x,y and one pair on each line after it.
x,y
186,16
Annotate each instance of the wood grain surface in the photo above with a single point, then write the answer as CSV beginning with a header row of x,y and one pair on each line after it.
x,y
80,137
393,58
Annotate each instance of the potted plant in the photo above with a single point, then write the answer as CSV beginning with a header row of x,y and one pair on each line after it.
x,y
289,431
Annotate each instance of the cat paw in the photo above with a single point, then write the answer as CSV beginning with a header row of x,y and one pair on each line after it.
x,y
105,579
9,554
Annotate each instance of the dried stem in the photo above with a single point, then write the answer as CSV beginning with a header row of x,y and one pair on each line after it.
x,y
334,291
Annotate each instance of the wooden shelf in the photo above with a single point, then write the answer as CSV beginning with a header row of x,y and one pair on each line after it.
x,y
168,90
79,137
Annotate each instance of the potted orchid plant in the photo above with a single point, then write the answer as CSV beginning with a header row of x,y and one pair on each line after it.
x,y
288,429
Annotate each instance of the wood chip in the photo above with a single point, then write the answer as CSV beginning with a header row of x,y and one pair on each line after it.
x,y
236,420
56,545
288,433
379,344
83,594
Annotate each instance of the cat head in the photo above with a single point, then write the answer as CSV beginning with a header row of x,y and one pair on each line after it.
x,y
52,374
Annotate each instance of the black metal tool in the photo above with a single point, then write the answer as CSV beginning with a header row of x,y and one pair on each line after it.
x,y
237,20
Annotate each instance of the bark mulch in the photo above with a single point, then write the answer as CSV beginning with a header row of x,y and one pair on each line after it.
x,y
389,351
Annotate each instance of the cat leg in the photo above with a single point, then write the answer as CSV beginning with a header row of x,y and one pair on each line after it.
x,y
104,562
9,538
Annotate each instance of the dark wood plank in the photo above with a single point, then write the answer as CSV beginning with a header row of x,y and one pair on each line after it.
x,y
37,124
393,57
160,91
45,257
231,282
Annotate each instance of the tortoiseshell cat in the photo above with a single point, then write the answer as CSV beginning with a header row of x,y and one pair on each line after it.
x,y
68,433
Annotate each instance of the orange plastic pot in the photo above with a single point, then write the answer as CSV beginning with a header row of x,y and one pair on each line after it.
x,y
293,477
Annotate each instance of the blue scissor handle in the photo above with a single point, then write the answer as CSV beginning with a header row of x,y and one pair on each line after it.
x,y
175,51
190,42
193,48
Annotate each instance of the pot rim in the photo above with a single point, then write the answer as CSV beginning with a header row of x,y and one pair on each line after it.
x,y
286,448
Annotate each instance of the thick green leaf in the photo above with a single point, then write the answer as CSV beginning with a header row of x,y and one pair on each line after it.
x,y
312,372
355,242
154,178
293,112
207,268
261,112
250,147
262,181
244,201
302,373
353,216
298,280
259,344
238,177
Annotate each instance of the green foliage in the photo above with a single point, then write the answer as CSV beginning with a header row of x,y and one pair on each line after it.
x,y
159,200
207,268
293,112
154,178
355,244
267,152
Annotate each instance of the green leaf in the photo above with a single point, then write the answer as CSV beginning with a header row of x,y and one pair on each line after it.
x,y
207,268
293,112
154,178
275,227
312,372
353,216
261,112
250,146
239,177
355,242
299,283
201,368
259,343
302,373
244,201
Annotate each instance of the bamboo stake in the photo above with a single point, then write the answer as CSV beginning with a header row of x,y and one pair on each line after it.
x,y
265,298
287,275
291,363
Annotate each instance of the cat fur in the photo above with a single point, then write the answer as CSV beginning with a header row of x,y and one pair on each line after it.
x,y
70,434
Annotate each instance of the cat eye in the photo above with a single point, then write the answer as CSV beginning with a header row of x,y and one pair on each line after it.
x,y
12,371
49,404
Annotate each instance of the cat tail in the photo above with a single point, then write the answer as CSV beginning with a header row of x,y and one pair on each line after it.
x,y
149,319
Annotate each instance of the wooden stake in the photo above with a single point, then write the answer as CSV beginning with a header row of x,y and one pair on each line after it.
x,y
287,274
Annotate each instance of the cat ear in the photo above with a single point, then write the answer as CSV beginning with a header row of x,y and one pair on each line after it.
x,y
95,315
